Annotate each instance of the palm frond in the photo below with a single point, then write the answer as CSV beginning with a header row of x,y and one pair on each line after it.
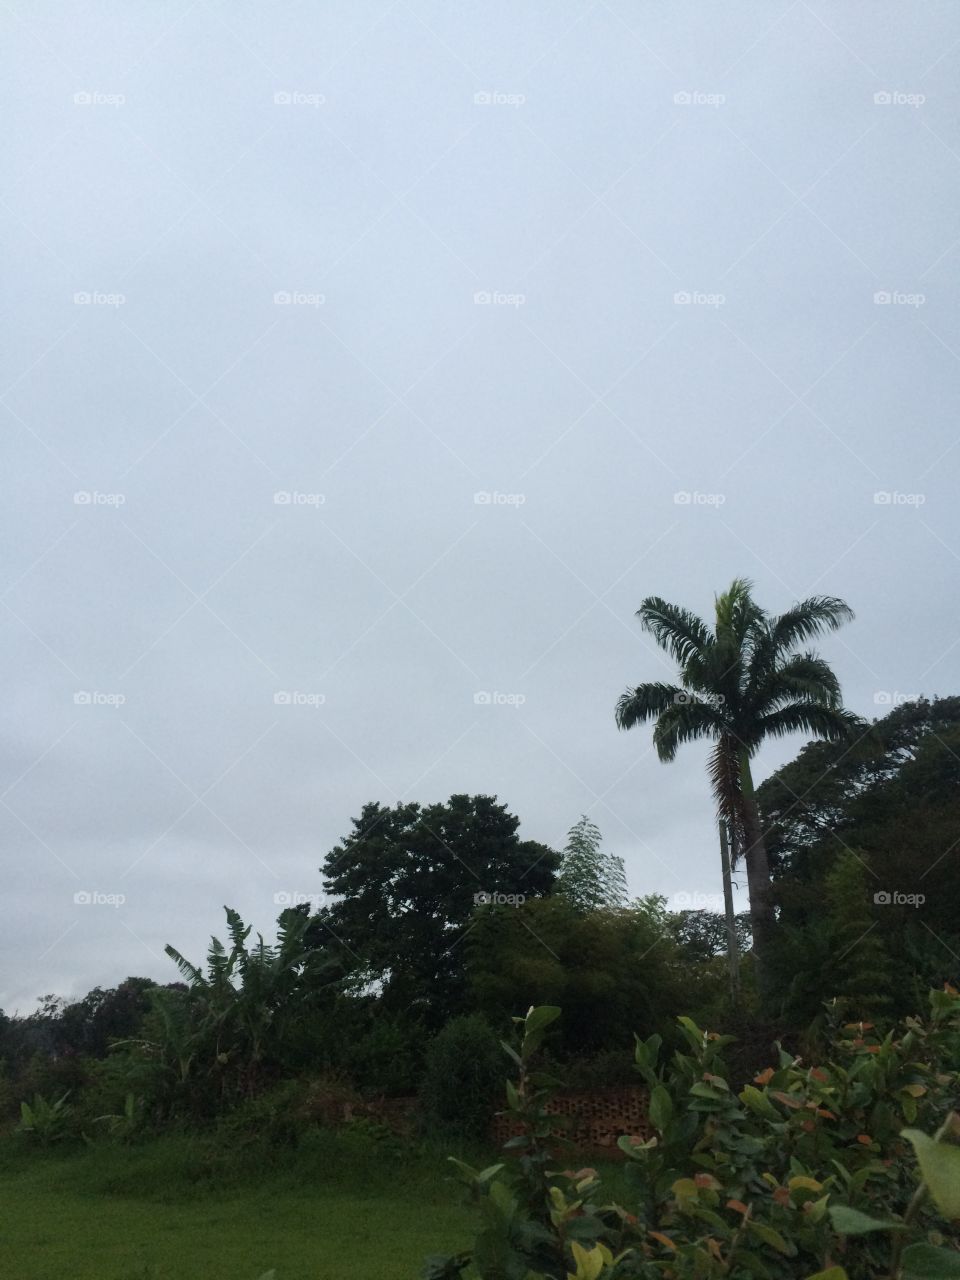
x,y
189,971
833,724
645,702
723,770
685,721
808,618
677,631
804,677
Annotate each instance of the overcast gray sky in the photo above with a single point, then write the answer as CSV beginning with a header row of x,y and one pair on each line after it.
x,y
385,259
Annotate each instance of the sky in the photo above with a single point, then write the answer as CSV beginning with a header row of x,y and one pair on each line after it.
x,y
366,363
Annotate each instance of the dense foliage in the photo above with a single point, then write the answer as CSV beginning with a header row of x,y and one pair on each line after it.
x,y
848,1167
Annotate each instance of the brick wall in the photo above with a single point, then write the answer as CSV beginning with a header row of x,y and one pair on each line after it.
x,y
596,1118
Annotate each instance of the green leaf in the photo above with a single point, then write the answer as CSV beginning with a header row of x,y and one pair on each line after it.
x,y
940,1165
534,1025
759,1102
539,1019
771,1237
851,1222
834,1273
661,1107
630,1147
924,1262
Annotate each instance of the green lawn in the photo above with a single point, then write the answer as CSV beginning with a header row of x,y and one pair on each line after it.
x,y
156,1213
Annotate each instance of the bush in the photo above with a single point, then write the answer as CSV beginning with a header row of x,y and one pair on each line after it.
x,y
461,1078
772,1182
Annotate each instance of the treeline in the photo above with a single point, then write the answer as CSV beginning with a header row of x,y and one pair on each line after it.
x,y
441,922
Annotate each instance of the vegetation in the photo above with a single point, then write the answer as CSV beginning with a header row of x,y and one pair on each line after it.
x,y
848,1169
740,684
589,877
327,1064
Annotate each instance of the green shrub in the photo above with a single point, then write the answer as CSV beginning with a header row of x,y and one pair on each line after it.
x,y
461,1078
773,1182
44,1121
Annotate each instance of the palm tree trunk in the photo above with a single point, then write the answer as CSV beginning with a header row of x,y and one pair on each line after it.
x,y
763,920
733,955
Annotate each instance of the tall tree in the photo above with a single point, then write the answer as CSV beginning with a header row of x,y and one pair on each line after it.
x,y
740,683
589,877
406,883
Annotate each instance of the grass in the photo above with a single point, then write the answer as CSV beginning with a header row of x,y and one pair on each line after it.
x,y
180,1209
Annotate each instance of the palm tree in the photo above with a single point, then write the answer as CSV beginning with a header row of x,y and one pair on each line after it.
x,y
741,683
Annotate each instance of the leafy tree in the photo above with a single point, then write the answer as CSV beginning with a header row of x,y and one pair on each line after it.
x,y
702,935
610,968
895,800
588,877
461,1078
405,883
236,1009
860,967
741,683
